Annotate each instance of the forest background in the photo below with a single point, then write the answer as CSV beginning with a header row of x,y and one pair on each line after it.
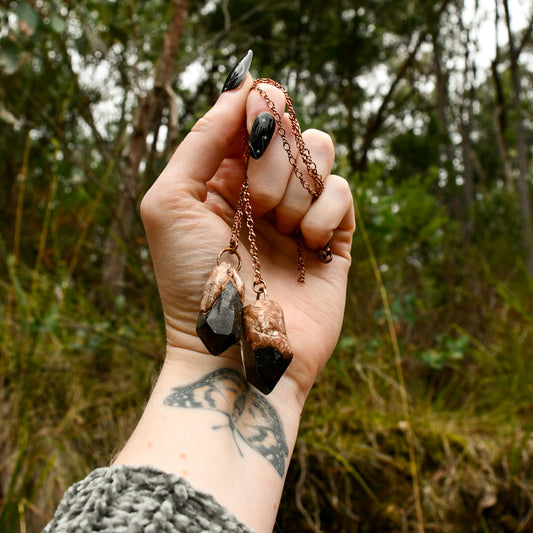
x,y
422,420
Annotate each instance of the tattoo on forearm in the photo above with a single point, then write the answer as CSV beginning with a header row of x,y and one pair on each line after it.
x,y
250,416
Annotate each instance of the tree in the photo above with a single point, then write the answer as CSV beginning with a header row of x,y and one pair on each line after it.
x,y
147,120
523,187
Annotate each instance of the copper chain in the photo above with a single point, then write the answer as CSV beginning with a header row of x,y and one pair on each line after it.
x,y
318,182
244,207
244,210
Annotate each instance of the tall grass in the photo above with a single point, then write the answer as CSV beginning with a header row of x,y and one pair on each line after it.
x,y
422,419
430,426
471,436
406,423
72,383
72,377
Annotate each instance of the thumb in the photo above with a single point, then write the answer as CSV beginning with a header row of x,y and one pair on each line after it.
x,y
199,155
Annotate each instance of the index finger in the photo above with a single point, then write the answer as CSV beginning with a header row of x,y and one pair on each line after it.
x,y
199,155
257,103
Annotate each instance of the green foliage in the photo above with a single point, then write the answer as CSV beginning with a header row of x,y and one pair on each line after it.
x,y
74,374
63,408
446,351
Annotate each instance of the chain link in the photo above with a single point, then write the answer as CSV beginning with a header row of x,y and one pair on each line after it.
x,y
318,183
259,284
244,206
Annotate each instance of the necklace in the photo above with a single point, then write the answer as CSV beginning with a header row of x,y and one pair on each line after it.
x,y
260,326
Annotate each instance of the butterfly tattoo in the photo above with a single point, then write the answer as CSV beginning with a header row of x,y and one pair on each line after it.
x,y
250,416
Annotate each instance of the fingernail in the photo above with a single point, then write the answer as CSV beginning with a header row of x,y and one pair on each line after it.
x,y
262,131
238,72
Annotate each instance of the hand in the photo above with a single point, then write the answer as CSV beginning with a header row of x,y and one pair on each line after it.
x,y
188,214
203,421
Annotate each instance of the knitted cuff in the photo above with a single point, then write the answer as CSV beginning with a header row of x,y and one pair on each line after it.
x,y
139,499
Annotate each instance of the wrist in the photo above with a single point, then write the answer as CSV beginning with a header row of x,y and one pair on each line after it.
x,y
204,422
189,363
184,365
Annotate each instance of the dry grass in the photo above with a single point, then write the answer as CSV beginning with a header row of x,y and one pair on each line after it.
x,y
406,430
72,384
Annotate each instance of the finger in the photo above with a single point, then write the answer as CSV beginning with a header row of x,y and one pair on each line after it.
x,y
332,210
269,175
257,103
296,200
268,170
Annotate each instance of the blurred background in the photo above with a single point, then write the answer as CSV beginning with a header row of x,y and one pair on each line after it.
x,y
422,421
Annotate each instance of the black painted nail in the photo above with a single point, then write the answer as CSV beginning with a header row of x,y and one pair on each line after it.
x,y
238,72
262,131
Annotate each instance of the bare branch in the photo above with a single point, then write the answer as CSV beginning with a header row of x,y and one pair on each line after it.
x,y
377,120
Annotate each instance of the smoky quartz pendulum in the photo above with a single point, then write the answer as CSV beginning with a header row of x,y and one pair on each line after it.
x,y
260,326
220,318
265,349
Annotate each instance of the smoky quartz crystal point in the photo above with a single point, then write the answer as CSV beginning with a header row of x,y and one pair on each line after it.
x,y
220,318
265,349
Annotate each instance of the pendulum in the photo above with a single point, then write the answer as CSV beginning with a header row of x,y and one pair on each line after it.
x,y
260,326
220,317
265,349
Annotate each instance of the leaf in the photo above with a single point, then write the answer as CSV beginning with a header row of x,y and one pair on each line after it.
x,y
8,117
8,57
93,39
57,23
489,499
346,343
28,18
433,358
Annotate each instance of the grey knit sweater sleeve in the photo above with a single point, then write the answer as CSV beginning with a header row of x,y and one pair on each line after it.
x,y
122,499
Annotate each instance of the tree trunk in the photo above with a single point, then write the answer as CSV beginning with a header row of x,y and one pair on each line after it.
x,y
134,152
443,105
522,184
468,186
500,126
351,129
466,115
500,109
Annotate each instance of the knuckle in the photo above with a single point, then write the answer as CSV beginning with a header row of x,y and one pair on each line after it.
x,y
203,124
157,203
265,199
206,126
146,206
320,143
341,184
149,209
314,235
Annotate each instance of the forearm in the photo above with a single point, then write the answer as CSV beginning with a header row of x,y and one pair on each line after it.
x,y
205,423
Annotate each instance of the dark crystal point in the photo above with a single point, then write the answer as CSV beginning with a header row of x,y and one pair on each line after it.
x,y
265,349
264,367
220,327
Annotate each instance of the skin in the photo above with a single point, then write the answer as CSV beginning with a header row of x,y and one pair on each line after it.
x,y
187,215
